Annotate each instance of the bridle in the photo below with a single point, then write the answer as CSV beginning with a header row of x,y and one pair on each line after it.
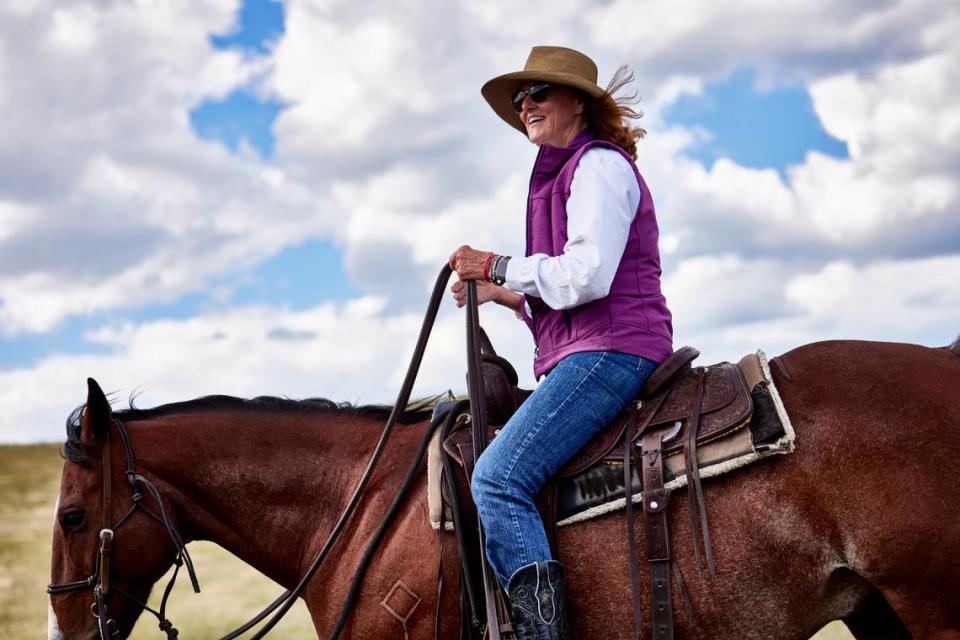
x,y
99,580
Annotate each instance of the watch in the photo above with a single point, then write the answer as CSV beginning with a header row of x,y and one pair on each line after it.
x,y
499,275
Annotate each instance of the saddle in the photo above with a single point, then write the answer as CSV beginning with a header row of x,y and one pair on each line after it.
x,y
657,443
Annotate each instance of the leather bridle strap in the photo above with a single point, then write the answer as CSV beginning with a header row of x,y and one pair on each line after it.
x,y
286,600
106,533
99,580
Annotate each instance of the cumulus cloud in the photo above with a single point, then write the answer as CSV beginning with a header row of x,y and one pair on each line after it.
x,y
347,352
785,39
912,300
108,200
358,351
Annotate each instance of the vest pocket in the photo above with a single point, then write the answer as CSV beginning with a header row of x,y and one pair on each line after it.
x,y
591,319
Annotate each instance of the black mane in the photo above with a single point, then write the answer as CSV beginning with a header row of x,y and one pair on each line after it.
x,y
75,451
269,404
955,347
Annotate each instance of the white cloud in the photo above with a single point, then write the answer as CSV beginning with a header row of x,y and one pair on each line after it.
x,y
711,292
353,352
892,300
358,351
127,206
711,39
109,201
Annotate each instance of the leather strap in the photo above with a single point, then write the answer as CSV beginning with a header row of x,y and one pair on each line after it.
x,y
106,532
459,527
631,533
631,433
656,538
694,488
286,600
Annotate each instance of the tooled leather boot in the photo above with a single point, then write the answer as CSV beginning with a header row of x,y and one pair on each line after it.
x,y
537,597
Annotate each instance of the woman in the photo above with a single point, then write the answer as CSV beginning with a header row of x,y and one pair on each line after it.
x,y
589,290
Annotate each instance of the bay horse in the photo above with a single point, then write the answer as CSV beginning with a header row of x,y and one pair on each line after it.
x,y
859,524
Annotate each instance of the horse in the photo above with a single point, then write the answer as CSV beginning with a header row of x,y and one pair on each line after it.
x,y
858,524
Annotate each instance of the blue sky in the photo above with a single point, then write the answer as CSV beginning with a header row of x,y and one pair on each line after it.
x,y
756,128
244,115
273,185
295,278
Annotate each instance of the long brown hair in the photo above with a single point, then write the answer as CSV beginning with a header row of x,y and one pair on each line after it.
x,y
610,116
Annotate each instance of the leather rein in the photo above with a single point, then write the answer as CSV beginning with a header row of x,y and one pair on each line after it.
x,y
99,580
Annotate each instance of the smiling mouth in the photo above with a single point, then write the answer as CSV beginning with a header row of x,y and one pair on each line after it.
x,y
532,120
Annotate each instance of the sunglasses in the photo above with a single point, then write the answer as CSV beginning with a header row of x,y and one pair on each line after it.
x,y
537,92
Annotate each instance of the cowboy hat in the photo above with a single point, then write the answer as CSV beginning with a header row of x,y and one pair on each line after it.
x,y
546,64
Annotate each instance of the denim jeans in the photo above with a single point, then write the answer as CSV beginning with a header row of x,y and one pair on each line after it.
x,y
580,396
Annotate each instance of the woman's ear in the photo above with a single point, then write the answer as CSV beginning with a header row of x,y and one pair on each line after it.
x,y
579,103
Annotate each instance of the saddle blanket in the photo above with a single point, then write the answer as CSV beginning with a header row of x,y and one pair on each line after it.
x,y
599,490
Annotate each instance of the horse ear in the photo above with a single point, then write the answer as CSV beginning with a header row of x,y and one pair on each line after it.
x,y
96,414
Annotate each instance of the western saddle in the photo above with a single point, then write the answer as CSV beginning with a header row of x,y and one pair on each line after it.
x,y
679,409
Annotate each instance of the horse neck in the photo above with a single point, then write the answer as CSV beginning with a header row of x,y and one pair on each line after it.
x,y
264,486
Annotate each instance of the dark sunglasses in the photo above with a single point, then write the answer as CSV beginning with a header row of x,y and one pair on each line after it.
x,y
537,92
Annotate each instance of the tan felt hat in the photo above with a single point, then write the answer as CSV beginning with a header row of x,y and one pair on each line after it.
x,y
558,65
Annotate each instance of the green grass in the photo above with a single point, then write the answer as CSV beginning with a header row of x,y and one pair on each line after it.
x,y
232,591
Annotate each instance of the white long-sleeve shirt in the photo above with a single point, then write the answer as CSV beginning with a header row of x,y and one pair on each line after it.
x,y
604,196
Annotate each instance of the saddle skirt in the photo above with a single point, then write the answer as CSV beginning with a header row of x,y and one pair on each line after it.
x,y
741,419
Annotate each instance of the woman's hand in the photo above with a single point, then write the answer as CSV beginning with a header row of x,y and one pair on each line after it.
x,y
469,263
486,291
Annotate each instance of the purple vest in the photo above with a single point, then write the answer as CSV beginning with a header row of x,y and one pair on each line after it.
x,y
634,317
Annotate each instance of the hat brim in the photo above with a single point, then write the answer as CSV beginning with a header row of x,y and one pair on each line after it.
x,y
497,92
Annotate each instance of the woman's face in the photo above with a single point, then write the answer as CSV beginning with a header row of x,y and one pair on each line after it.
x,y
557,120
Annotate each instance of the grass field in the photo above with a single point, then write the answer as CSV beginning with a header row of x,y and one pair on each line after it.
x,y
232,591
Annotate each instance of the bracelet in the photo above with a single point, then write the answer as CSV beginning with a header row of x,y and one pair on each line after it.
x,y
487,266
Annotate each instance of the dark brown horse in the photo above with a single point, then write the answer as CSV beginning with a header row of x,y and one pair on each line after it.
x,y
859,524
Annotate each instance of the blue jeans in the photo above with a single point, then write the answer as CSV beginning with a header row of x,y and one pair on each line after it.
x,y
579,397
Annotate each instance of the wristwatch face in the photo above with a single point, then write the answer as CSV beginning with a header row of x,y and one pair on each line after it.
x,y
500,272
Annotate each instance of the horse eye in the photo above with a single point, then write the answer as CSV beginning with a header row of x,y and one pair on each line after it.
x,y
72,520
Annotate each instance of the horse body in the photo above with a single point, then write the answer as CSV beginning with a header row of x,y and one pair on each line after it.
x,y
858,524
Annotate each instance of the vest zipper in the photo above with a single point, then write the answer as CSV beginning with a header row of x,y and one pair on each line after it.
x,y
533,313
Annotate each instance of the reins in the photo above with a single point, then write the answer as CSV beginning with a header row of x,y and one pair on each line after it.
x,y
287,599
99,580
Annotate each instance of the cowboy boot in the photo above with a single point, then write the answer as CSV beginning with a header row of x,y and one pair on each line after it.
x,y
537,601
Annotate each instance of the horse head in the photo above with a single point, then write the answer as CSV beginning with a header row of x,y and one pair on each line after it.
x,y
109,548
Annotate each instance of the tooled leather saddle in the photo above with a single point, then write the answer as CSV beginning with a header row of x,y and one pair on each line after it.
x,y
679,409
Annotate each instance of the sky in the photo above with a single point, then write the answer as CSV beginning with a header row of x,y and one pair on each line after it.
x,y
254,197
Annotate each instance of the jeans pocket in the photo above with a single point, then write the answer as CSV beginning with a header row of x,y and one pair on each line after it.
x,y
645,368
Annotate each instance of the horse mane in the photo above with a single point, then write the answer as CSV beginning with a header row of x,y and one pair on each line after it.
x,y
76,451
955,347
